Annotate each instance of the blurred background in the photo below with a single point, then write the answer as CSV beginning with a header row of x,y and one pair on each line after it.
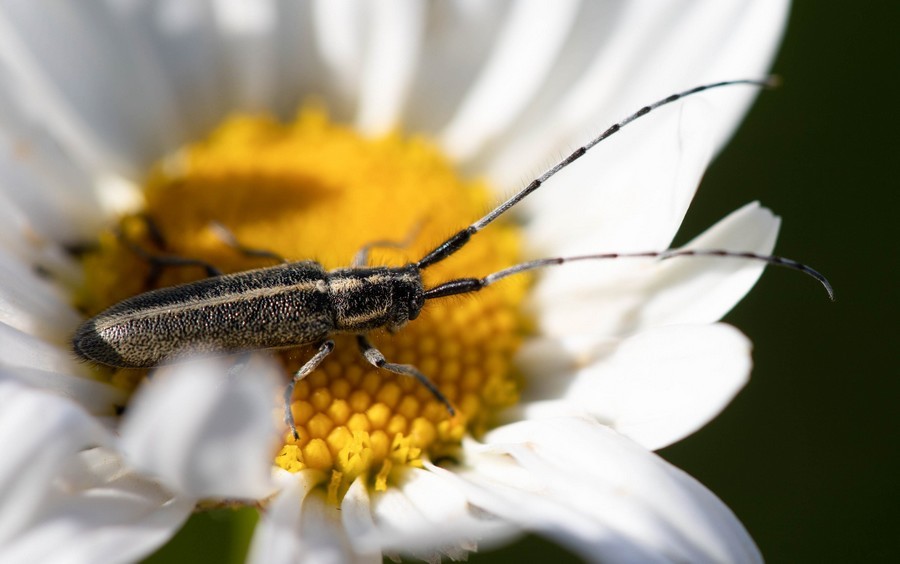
x,y
807,455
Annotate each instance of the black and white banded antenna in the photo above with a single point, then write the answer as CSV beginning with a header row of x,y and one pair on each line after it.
x,y
458,240
462,237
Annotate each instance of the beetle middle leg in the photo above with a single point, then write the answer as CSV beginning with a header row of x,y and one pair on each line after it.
x,y
226,236
361,258
324,350
377,359
158,261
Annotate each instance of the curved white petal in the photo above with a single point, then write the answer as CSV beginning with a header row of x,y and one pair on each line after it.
x,y
101,512
301,526
618,299
647,51
206,429
356,517
276,537
603,495
64,500
38,433
638,202
426,516
658,386
525,50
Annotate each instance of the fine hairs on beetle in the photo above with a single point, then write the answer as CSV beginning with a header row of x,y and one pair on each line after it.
x,y
300,303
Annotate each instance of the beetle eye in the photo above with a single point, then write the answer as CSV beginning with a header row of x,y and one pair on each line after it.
x,y
415,306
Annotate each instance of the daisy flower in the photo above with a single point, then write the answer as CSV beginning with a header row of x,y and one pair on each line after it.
x,y
204,129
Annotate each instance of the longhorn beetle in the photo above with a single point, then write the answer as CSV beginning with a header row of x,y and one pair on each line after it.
x,y
300,303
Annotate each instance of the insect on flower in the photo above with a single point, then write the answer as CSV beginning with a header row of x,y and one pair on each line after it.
x,y
300,303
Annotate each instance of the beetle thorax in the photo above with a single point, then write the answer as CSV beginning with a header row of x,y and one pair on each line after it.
x,y
370,298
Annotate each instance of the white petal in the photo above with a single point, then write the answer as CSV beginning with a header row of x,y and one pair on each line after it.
x,y
704,290
524,52
32,304
394,43
322,534
356,517
338,26
20,349
38,432
101,512
183,44
98,398
448,66
425,516
276,538
646,293
250,52
649,51
300,70
300,525
602,494
661,385
206,429
44,191
102,94
637,202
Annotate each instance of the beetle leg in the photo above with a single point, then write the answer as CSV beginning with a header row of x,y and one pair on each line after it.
x,y
361,258
227,237
159,261
377,359
311,364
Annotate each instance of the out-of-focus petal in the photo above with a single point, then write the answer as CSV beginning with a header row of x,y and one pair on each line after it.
x,y
206,429
101,512
121,117
38,433
392,53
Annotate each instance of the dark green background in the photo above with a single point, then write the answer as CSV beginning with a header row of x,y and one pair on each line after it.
x,y
807,455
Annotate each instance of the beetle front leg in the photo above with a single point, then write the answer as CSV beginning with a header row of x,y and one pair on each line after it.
x,y
311,364
377,359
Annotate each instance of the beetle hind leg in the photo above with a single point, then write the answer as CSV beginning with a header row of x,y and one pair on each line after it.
x,y
159,261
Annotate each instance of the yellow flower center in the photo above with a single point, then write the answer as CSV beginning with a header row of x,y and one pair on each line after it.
x,y
315,190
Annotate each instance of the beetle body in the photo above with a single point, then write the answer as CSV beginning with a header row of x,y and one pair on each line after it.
x,y
286,305
302,303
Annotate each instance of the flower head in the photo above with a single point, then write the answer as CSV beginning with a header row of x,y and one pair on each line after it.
x,y
397,124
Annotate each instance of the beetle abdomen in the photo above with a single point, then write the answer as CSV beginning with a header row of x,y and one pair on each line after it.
x,y
258,309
